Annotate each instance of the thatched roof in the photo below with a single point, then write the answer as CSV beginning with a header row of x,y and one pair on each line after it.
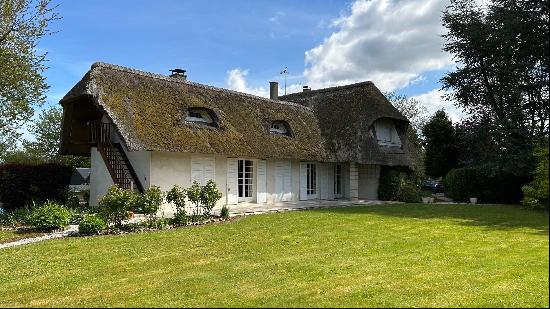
x,y
148,110
346,115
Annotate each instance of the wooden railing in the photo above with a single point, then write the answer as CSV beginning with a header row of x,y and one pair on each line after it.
x,y
114,157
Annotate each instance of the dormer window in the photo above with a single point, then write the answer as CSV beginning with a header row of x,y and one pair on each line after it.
x,y
386,133
200,116
280,127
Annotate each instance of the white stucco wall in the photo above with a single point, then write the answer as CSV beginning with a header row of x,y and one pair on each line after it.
x,y
369,180
100,179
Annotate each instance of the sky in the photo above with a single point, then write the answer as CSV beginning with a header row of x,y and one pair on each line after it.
x,y
243,45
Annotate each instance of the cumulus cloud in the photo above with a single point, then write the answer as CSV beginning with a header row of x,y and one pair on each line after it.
x,y
390,42
236,80
433,100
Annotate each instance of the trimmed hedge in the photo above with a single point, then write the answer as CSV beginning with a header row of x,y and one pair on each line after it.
x,y
92,225
488,185
23,184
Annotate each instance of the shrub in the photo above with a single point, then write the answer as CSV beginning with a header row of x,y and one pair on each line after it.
x,y
536,192
176,196
209,196
15,218
77,215
23,184
224,212
398,184
487,184
116,205
49,216
91,225
149,202
194,196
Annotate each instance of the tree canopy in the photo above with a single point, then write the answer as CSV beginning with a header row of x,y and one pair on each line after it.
x,y
22,84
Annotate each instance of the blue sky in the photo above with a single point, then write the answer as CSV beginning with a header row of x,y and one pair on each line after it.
x,y
242,45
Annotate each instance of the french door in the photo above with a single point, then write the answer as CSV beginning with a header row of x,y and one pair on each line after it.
x,y
338,181
311,187
245,177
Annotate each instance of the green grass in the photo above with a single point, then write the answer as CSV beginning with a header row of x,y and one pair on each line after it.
x,y
387,255
11,235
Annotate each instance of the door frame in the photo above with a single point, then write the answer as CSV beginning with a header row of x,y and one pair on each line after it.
x,y
252,179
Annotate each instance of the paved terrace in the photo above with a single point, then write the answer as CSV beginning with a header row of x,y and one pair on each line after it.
x,y
253,208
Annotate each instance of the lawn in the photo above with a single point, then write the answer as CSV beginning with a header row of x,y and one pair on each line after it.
x,y
11,235
387,255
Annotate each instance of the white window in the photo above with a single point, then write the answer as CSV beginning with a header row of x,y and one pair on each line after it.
x,y
279,127
245,180
386,134
199,115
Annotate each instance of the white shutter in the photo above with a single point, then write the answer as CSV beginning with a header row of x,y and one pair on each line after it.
x,y
232,189
209,169
197,170
303,181
279,182
287,181
261,184
323,181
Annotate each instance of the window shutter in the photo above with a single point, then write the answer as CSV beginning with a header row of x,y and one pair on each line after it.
x,y
323,180
232,190
197,170
261,184
209,169
287,181
303,181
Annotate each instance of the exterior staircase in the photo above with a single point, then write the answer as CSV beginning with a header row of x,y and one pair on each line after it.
x,y
114,157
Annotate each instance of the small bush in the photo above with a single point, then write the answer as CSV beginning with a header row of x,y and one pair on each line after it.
x,y
398,184
149,202
209,196
91,225
77,215
23,184
487,184
176,196
194,196
49,216
15,218
116,205
224,212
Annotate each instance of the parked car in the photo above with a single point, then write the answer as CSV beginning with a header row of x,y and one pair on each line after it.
x,y
436,186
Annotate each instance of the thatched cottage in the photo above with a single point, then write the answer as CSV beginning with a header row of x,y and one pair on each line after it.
x,y
143,129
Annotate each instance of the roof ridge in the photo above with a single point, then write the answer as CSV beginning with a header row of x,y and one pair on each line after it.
x,y
333,88
115,67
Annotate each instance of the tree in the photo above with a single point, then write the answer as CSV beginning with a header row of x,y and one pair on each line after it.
x,y
417,115
45,146
501,79
441,148
536,192
22,24
47,134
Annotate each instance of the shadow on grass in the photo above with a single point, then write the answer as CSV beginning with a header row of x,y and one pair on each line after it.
x,y
497,217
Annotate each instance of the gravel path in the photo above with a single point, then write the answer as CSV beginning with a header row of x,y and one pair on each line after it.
x,y
72,229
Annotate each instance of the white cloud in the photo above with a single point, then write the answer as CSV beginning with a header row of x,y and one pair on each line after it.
x,y
390,42
434,101
236,80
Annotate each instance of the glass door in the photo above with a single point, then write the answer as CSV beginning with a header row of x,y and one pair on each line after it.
x,y
338,181
245,176
311,181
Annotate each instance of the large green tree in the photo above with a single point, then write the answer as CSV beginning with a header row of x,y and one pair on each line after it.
x,y
440,142
501,79
22,84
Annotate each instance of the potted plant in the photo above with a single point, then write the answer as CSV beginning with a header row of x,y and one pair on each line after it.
x,y
427,197
473,200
